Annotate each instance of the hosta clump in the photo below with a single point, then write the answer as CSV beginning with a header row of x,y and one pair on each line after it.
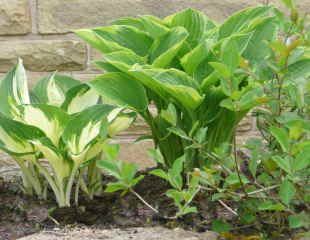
x,y
59,121
202,77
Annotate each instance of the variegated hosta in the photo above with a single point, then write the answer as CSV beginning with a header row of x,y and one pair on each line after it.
x,y
202,77
60,121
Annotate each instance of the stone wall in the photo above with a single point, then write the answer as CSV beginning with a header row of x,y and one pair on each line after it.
x,y
39,31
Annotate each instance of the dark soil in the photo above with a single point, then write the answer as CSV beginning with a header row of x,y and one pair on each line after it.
x,y
21,215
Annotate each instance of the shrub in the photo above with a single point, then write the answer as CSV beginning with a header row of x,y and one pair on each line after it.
x,y
201,77
61,122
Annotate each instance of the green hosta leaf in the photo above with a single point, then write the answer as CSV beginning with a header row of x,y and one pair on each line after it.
x,y
125,57
287,191
117,37
169,84
149,24
122,90
13,89
230,55
192,59
86,132
50,119
195,22
15,137
165,48
126,37
169,114
241,20
300,69
221,69
79,98
282,137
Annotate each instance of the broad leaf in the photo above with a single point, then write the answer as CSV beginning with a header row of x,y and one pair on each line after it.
x,y
241,20
13,89
86,132
169,84
195,22
121,89
50,119
165,48
51,90
287,191
79,98
16,137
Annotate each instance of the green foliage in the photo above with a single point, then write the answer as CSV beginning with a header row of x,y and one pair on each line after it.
x,y
60,121
199,75
182,195
123,172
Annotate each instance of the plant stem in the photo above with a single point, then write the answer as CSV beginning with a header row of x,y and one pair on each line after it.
x,y
228,208
142,200
59,196
30,181
237,165
70,183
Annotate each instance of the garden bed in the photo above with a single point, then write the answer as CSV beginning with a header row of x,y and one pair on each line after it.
x,y
22,215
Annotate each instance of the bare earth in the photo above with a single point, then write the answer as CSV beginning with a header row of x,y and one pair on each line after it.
x,y
156,233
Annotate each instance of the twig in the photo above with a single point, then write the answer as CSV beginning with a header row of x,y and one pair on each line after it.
x,y
237,166
142,200
264,189
228,208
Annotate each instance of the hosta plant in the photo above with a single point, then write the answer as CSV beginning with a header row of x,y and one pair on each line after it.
x,y
56,131
202,78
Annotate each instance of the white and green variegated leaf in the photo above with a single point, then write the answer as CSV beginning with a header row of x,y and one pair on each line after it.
x,y
79,98
121,89
16,137
61,166
169,84
51,90
86,130
117,37
195,22
241,20
166,48
14,89
121,123
50,119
